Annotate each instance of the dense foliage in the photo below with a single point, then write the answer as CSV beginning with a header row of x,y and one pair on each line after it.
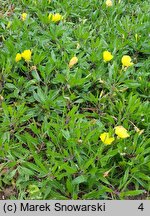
x,y
57,112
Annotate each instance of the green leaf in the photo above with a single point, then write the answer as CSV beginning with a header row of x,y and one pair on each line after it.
x,y
36,75
124,180
79,180
131,193
66,134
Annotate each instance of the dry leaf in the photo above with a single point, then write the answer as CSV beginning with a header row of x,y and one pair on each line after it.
x,y
106,173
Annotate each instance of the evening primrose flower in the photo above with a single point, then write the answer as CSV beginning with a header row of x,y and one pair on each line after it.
x,y
18,57
73,61
55,17
121,132
23,16
107,56
126,61
109,3
106,139
26,54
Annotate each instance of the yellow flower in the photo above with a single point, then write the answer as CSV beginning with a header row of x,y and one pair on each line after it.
x,y
55,17
73,61
121,132
24,16
109,3
26,55
107,56
18,57
106,139
126,61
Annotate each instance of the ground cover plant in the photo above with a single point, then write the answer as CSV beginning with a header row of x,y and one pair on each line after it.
x,y
74,99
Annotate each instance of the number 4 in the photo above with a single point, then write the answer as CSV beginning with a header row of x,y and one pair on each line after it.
x,y
141,207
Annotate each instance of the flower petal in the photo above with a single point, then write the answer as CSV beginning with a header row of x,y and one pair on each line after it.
x,y
121,132
73,61
106,139
107,56
18,57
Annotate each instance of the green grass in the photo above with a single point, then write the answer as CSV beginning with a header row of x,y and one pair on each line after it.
x,y
51,116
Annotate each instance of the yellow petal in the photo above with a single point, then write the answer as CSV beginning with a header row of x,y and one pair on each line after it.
x,y
109,3
18,57
126,61
107,56
23,16
55,17
26,55
106,139
73,61
121,132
